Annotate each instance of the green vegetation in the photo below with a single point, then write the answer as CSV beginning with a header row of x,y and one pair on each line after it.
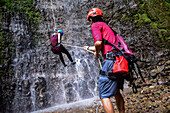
x,y
25,12
25,9
153,14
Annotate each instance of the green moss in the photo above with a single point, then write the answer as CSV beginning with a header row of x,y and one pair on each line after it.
x,y
153,14
144,17
167,38
27,13
25,9
154,25
163,30
141,19
125,2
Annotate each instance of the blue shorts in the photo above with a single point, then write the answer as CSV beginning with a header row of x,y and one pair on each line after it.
x,y
108,87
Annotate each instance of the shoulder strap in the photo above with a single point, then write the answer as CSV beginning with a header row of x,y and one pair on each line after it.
x,y
106,42
121,45
113,31
114,47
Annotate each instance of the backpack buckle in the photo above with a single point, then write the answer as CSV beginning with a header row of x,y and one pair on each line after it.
x,y
105,73
110,56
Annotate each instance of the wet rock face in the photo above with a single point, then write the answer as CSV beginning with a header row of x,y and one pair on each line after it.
x,y
40,79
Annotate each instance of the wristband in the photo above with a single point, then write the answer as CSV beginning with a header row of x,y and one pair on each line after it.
x,y
88,48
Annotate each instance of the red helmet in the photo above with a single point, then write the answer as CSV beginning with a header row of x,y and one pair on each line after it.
x,y
94,12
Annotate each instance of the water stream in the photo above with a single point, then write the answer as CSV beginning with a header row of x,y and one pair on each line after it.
x,y
41,79
36,80
52,7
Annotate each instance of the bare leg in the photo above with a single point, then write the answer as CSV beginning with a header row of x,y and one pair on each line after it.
x,y
107,105
120,102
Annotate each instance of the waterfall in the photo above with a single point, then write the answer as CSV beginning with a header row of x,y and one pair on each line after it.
x,y
33,79
41,79
52,7
33,98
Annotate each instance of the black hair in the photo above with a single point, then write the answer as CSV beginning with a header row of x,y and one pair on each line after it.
x,y
97,19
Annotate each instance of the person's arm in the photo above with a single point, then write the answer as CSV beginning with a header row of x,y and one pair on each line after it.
x,y
59,38
98,47
97,35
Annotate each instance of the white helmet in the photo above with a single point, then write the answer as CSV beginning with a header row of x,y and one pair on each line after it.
x,y
55,29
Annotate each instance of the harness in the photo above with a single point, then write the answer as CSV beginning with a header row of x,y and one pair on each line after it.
x,y
111,55
115,51
57,45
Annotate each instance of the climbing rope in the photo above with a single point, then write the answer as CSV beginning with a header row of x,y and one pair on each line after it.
x,y
100,64
72,46
100,57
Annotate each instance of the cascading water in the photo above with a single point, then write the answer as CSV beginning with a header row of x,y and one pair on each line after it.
x,y
38,79
52,7
42,79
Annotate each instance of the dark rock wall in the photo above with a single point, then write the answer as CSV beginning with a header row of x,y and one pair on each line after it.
x,y
40,80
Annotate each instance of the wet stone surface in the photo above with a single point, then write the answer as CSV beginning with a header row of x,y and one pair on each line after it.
x,y
152,98
39,79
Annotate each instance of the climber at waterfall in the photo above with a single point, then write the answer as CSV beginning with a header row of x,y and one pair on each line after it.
x,y
58,48
107,87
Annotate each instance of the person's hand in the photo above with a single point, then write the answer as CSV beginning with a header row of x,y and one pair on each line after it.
x,y
85,48
96,54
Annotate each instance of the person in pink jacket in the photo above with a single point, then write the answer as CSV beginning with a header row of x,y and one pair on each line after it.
x,y
58,48
107,87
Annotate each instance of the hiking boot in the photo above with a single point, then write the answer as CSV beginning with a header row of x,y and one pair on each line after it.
x,y
73,63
